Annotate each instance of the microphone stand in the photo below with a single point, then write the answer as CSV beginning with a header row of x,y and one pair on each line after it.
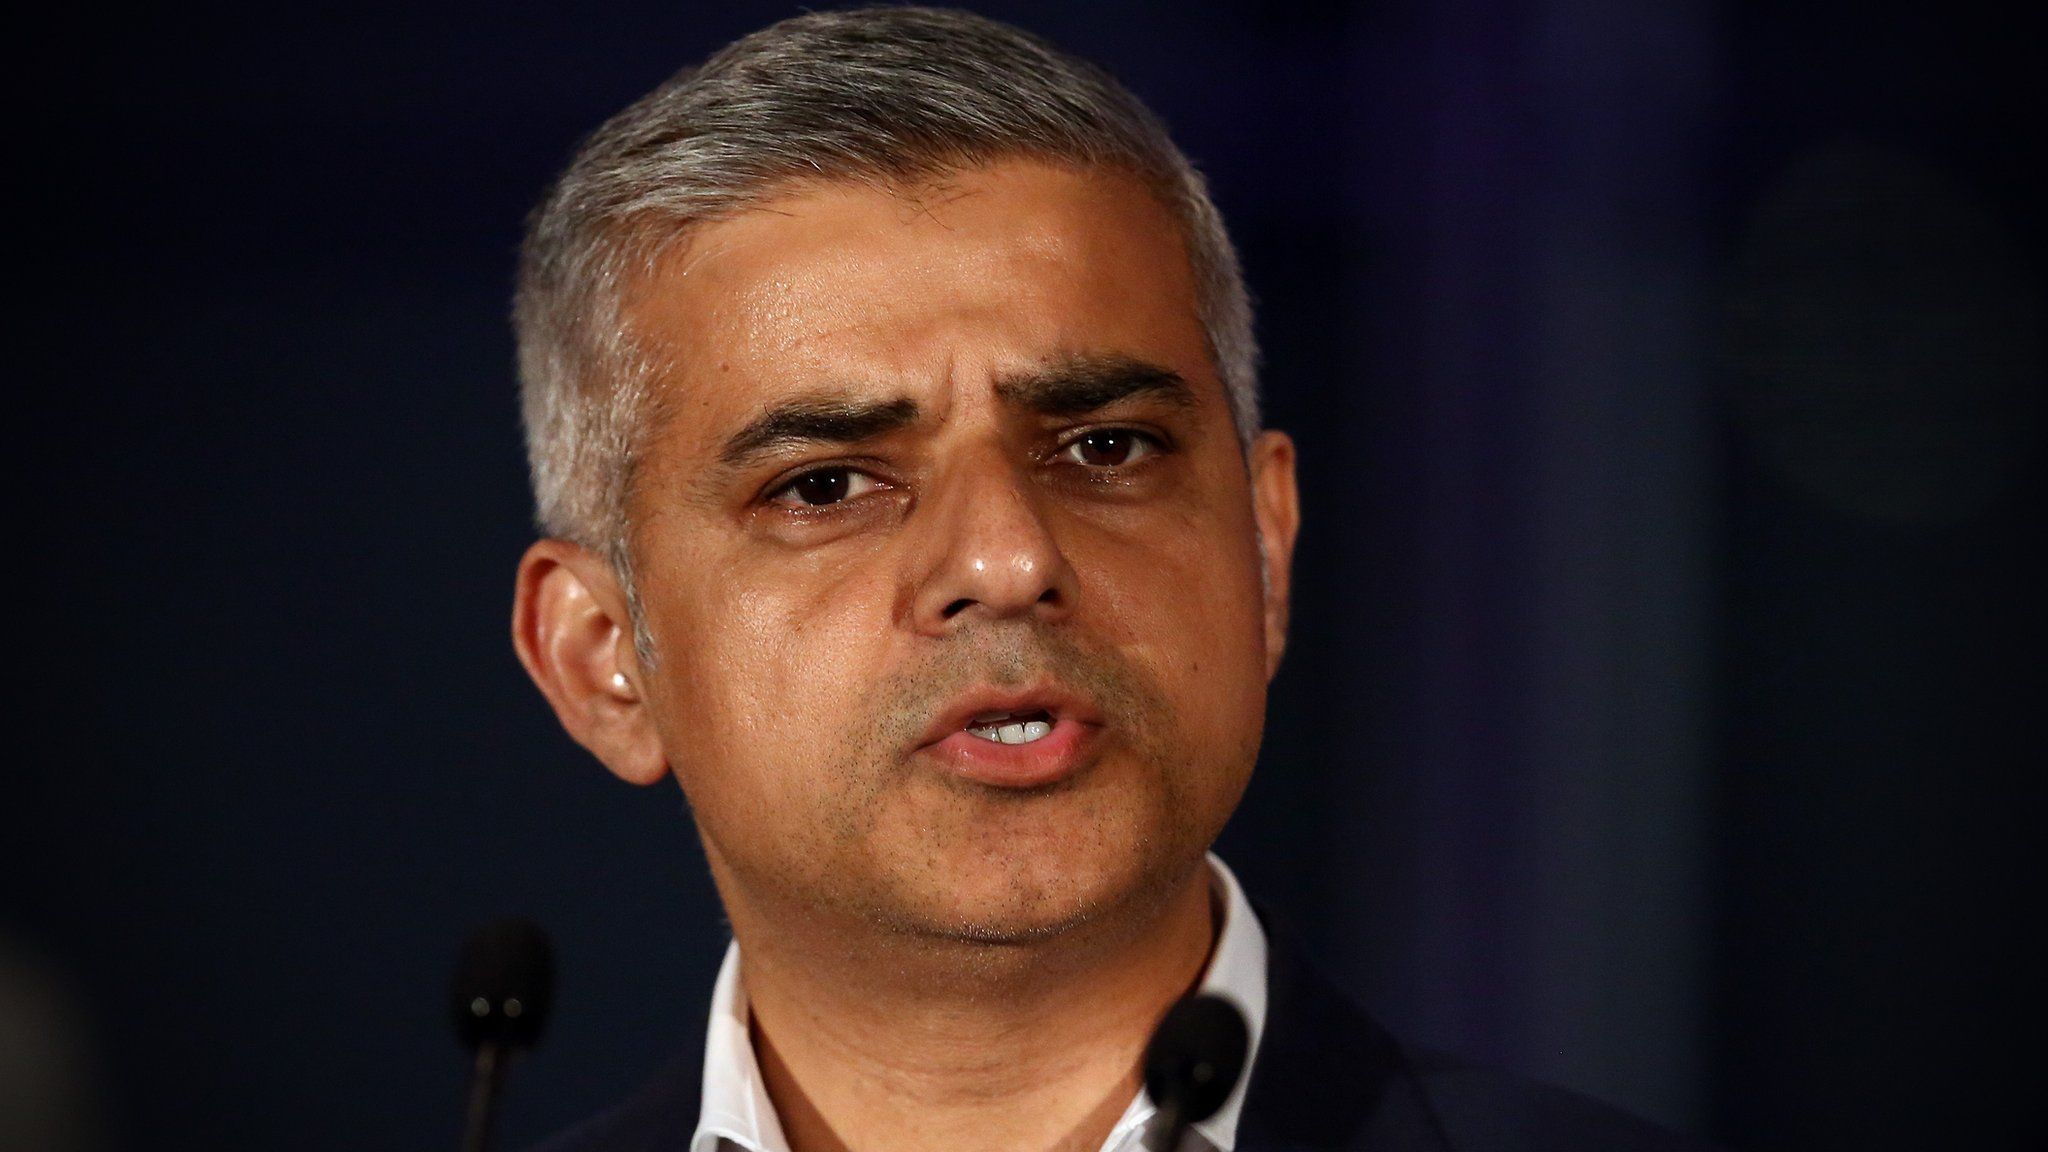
x,y
1169,1129
499,1002
484,1078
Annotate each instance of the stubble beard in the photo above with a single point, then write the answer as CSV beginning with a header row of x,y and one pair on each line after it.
x,y
1143,831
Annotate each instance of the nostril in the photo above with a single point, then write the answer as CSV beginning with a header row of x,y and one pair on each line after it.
x,y
956,607
1049,596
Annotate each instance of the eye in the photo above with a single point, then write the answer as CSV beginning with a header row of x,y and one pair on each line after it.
x,y
1109,448
823,487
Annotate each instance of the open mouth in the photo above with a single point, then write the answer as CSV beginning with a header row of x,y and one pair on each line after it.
x,y
1016,739
1011,727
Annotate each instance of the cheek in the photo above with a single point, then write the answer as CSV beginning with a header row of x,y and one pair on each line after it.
x,y
1190,607
764,677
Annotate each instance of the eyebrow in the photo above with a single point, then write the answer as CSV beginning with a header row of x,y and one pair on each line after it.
x,y
1070,386
1077,385
808,419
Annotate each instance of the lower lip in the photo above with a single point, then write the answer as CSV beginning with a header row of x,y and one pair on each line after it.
x,y
1047,760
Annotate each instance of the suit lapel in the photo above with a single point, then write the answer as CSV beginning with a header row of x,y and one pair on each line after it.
x,y
660,1117
1326,1076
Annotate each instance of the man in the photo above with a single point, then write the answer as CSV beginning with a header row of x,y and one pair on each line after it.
x,y
889,385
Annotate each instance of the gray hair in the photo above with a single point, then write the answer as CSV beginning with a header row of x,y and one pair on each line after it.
x,y
869,94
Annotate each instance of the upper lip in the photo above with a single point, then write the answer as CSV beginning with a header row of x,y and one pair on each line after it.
x,y
1051,697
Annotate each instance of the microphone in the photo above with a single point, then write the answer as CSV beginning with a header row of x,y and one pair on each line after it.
x,y
1191,1065
504,985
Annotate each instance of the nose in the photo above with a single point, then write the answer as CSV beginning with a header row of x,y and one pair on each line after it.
x,y
992,554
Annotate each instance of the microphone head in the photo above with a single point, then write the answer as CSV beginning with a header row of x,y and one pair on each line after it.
x,y
504,985
1195,1057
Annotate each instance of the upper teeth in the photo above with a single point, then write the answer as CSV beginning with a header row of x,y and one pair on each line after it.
x,y
1018,732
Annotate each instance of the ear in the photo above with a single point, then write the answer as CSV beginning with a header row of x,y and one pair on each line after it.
x,y
573,633
1276,507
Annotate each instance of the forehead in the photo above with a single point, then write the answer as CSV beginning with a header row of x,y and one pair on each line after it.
x,y
920,291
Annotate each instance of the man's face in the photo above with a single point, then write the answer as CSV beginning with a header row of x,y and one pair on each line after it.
x,y
949,553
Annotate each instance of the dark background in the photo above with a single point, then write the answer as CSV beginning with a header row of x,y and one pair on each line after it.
x,y
1668,384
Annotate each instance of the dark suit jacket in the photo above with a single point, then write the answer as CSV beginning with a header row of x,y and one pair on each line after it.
x,y
1326,1078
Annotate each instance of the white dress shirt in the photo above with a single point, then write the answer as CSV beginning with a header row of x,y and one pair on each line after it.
x,y
738,1117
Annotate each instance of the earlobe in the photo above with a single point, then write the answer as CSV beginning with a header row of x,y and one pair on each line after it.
x,y
1276,506
573,634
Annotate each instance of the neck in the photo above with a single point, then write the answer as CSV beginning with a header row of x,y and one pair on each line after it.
x,y
868,1038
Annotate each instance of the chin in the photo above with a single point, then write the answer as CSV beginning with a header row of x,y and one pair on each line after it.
x,y
1099,856
1011,897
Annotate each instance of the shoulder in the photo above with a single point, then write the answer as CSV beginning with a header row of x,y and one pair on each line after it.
x,y
660,1117
1327,1076
1478,1109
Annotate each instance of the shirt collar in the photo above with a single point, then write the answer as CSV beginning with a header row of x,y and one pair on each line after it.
x,y
736,1106
1237,973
